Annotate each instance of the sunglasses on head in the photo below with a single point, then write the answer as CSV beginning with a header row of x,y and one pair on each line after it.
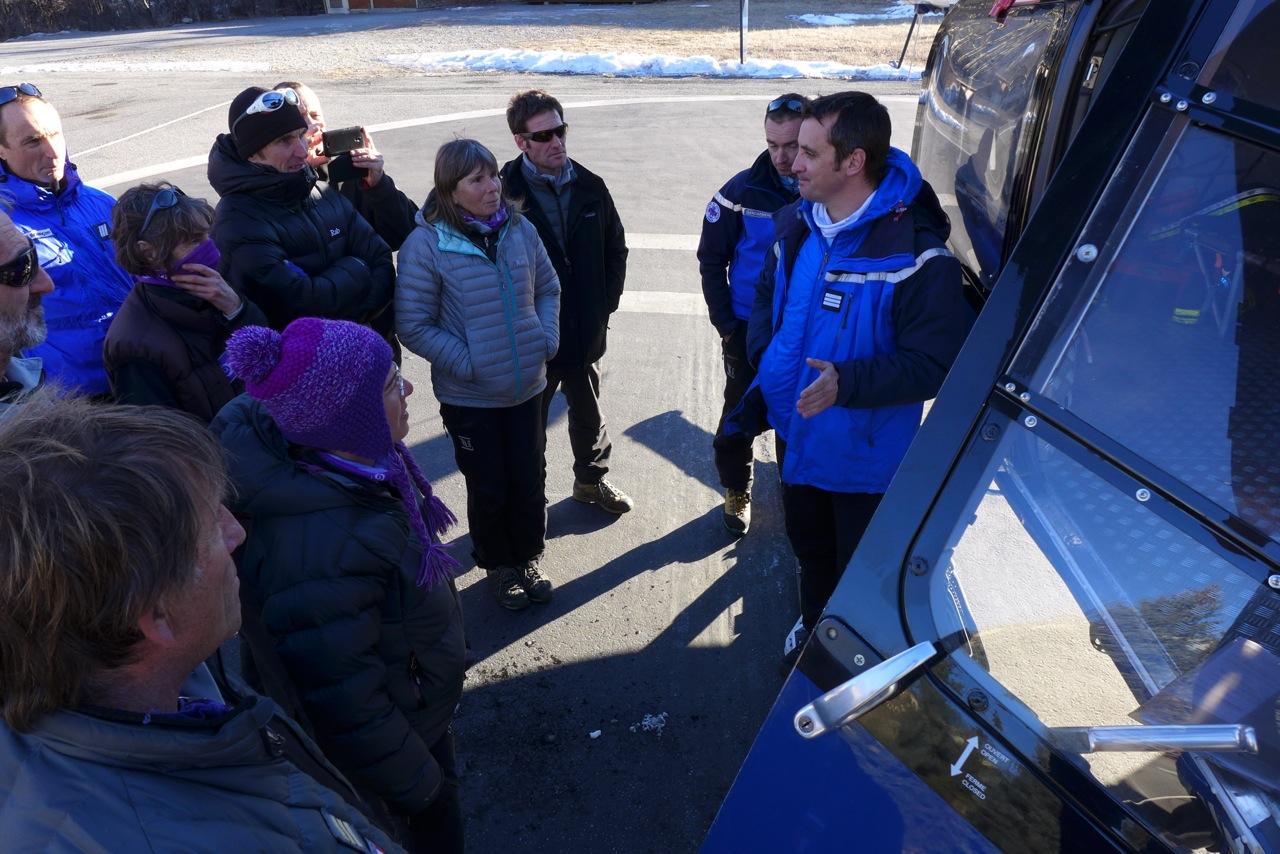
x,y
545,135
165,199
9,94
21,270
791,105
268,102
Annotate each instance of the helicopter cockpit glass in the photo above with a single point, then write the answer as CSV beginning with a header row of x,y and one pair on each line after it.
x,y
1086,596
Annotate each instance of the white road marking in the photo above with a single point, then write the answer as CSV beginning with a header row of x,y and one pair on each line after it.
x,y
678,242
663,302
150,129
143,172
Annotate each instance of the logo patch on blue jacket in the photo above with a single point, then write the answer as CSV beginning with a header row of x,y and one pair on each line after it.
x,y
713,212
832,300
104,230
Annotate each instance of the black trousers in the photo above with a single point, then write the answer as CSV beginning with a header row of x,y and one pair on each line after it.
x,y
439,828
824,529
499,452
733,453
588,436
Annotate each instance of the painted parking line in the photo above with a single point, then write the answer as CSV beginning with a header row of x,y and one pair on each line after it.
x,y
663,302
144,172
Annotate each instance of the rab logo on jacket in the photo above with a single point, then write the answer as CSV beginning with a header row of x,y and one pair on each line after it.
x,y
335,231
465,443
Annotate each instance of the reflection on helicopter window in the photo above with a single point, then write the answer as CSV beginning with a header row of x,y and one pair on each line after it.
x,y
1178,355
1246,64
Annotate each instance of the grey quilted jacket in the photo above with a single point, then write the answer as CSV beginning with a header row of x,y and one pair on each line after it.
x,y
88,783
487,328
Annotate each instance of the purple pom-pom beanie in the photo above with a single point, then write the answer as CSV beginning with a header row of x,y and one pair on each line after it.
x,y
321,381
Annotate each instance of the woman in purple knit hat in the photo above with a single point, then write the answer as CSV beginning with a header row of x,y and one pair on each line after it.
x,y
345,561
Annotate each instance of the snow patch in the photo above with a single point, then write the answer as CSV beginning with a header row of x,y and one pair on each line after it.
x,y
898,12
639,65
126,67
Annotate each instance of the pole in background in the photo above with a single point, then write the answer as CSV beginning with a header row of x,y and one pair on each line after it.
x,y
742,34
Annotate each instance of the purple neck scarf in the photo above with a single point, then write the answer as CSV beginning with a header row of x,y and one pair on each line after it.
x,y
206,253
484,226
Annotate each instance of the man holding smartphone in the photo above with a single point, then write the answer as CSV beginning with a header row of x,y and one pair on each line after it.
x,y
356,171
294,248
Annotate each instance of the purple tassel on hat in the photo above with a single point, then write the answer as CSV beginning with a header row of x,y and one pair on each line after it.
x,y
437,564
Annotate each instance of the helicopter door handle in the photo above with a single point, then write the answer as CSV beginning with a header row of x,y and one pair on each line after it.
x,y
1217,738
848,701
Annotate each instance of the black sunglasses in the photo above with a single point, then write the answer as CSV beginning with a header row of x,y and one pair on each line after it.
x,y
268,102
162,201
791,105
21,270
545,135
8,94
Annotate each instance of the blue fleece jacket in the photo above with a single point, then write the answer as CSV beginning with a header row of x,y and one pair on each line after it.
x,y
71,230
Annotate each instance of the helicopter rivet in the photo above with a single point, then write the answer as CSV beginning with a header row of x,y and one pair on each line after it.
x,y
1143,494
1208,97
1087,252
1165,97
1030,421
1181,106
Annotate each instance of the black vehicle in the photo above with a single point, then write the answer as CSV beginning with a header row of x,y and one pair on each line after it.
x,y
1062,629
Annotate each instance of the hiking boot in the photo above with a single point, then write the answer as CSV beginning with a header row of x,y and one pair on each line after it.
x,y
603,495
508,589
536,585
737,510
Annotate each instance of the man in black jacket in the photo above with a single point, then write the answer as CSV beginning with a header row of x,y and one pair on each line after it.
x,y
579,225
293,249
359,175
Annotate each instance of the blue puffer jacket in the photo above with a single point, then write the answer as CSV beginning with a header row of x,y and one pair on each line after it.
x,y
737,232
883,302
71,231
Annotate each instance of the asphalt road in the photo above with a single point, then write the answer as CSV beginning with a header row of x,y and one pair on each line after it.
x,y
665,633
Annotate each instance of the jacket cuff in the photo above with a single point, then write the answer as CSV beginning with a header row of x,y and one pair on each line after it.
x,y
845,384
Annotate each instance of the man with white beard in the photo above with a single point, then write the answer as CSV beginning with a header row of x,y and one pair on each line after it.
x,y
22,285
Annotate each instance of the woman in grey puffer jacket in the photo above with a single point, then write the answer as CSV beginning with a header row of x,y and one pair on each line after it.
x,y
478,298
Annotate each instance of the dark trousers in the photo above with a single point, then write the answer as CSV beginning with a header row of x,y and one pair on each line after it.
x,y
499,452
439,828
824,529
588,436
733,453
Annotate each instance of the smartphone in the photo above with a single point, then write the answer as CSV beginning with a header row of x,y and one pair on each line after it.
x,y
342,140
342,169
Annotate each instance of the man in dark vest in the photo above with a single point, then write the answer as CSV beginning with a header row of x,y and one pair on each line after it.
x,y
579,225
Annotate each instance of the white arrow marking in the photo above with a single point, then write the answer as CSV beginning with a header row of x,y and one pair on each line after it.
x,y
969,746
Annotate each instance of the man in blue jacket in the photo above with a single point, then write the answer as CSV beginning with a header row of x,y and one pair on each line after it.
x,y
737,232
70,224
855,330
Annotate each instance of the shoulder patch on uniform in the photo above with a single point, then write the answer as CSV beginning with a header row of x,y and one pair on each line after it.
x,y
104,230
713,212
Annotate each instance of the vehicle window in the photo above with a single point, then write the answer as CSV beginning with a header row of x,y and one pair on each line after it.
x,y
1092,610
1245,64
1177,355
974,117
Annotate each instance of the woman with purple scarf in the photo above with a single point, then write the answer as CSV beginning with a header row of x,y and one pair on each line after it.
x,y
344,563
164,345
476,296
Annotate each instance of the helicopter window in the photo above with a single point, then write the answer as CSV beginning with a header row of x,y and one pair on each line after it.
x,y
1091,609
1245,65
1177,355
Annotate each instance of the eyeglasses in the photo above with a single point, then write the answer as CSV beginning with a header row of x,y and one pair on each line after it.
x,y
268,102
162,201
397,382
21,270
791,105
8,94
545,135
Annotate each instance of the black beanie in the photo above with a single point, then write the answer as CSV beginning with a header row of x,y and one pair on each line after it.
x,y
254,132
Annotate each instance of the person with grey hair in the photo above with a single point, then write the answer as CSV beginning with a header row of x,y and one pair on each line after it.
x,y
23,283
478,298
110,597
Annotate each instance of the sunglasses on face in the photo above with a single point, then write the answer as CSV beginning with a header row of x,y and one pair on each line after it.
x,y
21,271
268,102
9,94
791,105
162,201
545,135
